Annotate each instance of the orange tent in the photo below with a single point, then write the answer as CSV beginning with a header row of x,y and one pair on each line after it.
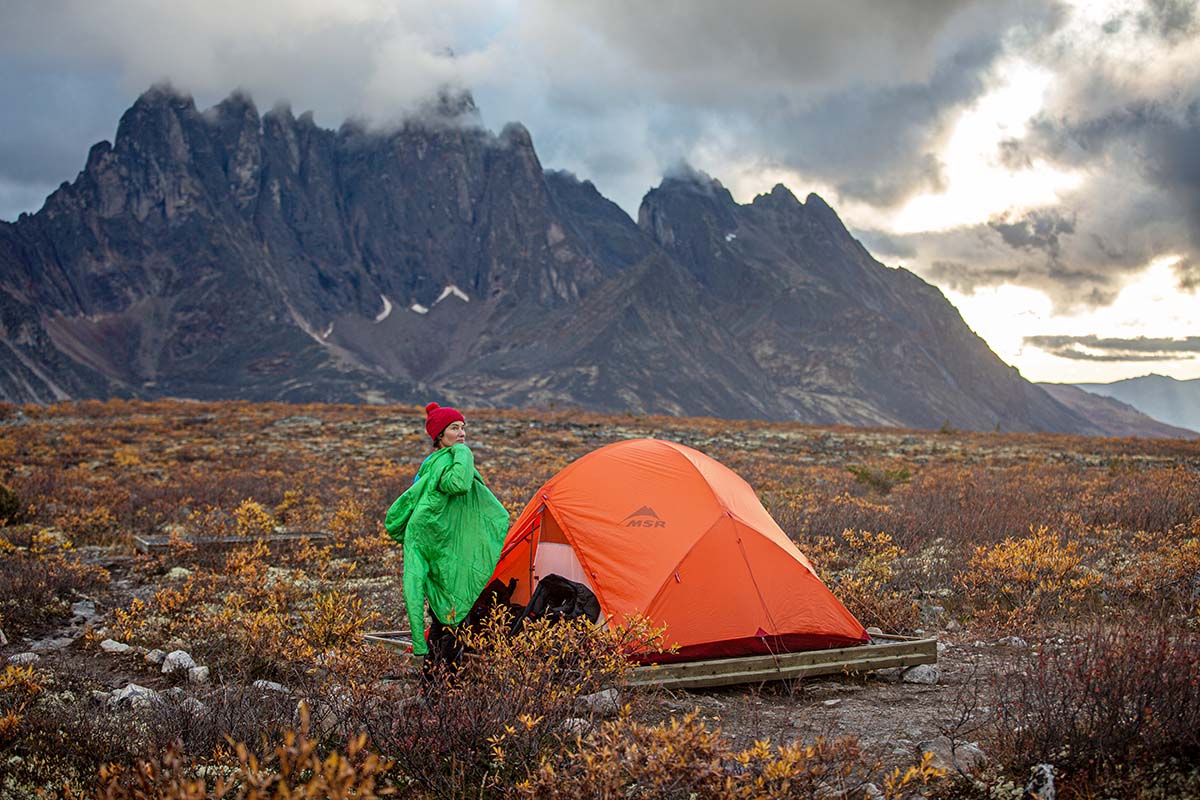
x,y
662,530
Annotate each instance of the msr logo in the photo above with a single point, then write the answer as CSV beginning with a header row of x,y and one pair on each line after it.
x,y
644,517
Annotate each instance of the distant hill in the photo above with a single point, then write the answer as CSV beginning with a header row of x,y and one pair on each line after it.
x,y
1166,399
1113,416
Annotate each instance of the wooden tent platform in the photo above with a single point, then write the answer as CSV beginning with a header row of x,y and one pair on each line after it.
x,y
883,652
161,544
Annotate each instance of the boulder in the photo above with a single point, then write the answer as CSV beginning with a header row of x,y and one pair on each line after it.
x,y
922,673
50,645
890,674
177,660
113,646
192,706
155,656
135,695
83,612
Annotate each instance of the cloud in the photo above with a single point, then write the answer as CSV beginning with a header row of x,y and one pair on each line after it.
x,y
856,95
1170,19
1037,230
857,98
1122,114
1095,348
1188,274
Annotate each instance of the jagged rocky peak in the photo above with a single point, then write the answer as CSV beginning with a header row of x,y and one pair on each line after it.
x,y
239,104
514,134
159,102
686,180
685,199
822,211
780,197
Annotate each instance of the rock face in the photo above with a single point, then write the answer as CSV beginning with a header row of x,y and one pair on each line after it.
x,y
224,254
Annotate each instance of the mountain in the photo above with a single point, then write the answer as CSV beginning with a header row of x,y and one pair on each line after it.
x,y
1113,416
1162,397
228,254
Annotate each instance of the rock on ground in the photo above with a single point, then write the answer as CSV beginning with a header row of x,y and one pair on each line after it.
x,y
176,660
24,659
137,696
922,673
50,645
113,646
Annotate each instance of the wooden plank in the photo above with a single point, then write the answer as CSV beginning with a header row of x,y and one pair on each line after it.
x,y
159,544
400,641
648,676
396,640
769,663
884,652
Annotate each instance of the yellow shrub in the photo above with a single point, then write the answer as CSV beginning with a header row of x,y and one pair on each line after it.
x,y
253,520
18,687
1025,581
334,619
861,570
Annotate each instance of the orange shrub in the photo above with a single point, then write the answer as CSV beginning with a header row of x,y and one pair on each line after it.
x,y
1027,581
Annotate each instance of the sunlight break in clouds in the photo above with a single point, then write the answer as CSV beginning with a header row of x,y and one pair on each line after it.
x,y
978,186
1150,305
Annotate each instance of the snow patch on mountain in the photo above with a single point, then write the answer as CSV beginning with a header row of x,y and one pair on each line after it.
x,y
387,309
452,290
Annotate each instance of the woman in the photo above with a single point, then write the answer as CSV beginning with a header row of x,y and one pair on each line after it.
x,y
451,525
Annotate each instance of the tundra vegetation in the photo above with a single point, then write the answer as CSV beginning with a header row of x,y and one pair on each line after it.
x,y
1061,575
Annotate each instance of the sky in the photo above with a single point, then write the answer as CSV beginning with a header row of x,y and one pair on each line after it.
x,y
1039,162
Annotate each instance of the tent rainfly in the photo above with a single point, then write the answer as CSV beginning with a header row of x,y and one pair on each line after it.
x,y
659,529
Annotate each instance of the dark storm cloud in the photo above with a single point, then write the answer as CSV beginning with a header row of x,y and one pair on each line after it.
x,y
857,97
1037,230
1170,19
965,278
1154,149
1187,272
1096,348
885,245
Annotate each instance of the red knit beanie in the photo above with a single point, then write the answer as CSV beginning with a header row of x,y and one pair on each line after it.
x,y
437,419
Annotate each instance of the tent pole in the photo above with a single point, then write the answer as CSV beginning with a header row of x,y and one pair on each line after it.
x,y
532,544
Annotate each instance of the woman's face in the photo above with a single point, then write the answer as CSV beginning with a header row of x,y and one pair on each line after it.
x,y
455,433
